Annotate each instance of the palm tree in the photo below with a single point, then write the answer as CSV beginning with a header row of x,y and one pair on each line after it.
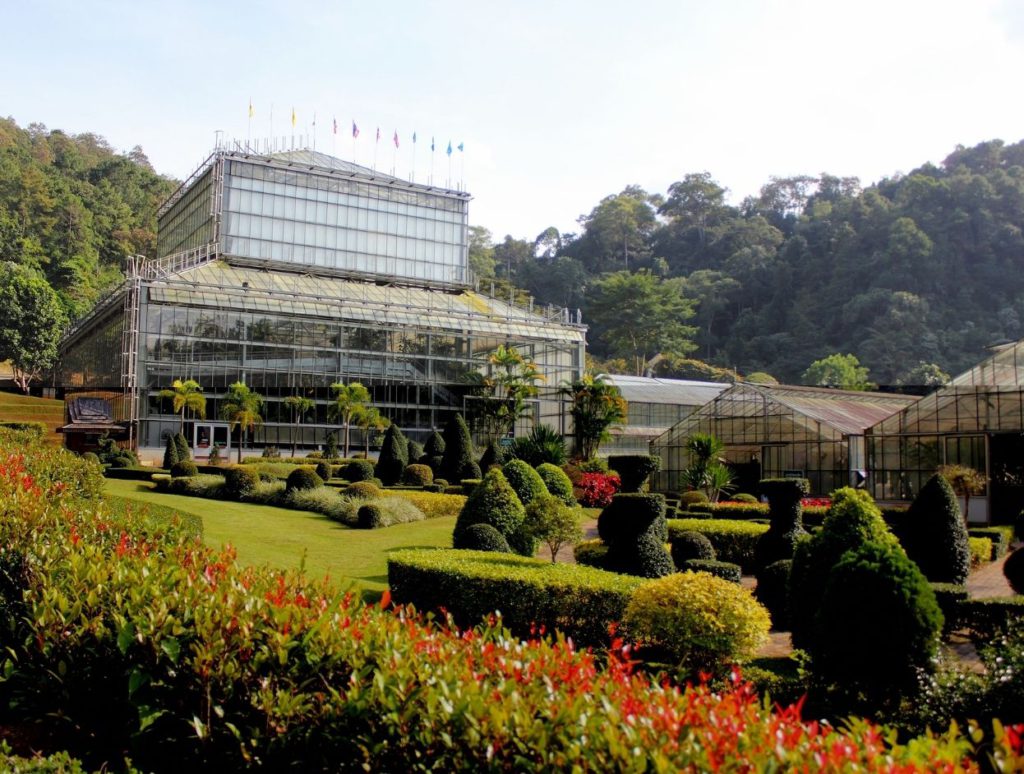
x,y
242,408
348,400
368,420
596,406
299,407
186,395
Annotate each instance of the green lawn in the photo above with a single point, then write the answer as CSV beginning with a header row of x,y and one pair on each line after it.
x,y
281,537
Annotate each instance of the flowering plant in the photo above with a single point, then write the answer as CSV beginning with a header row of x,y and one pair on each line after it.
x,y
597,489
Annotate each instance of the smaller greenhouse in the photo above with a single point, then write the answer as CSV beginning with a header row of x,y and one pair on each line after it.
x,y
778,431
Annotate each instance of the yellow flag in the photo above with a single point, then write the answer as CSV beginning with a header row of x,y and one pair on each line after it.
x,y
293,118
252,110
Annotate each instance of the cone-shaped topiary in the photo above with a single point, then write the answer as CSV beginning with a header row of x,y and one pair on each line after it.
x,y
526,482
492,502
483,537
779,542
875,589
393,456
634,469
934,534
853,519
634,529
433,452
1013,570
557,482
184,452
413,452
170,453
457,459
492,456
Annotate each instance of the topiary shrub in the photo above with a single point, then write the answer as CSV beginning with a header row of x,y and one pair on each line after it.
x,y
727,571
1013,570
934,534
184,451
697,621
687,545
785,529
853,519
413,452
364,490
435,488
393,456
357,470
302,478
693,497
772,591
492,456
483,537
635,531
557,482
457,459
591,553
526,482
875,589
634,469
417,475
91,457
183,469
433,452
743,497
441,482
170,453
330,446
493,502
370,516
323,469
240,481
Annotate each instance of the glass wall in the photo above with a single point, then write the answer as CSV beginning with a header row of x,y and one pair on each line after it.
x,y
189,223
94,361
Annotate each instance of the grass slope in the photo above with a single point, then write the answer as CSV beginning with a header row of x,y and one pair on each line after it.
x,y
281,537
24,408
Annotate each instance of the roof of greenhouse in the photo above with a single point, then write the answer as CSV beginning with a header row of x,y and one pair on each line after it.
x,y
678,392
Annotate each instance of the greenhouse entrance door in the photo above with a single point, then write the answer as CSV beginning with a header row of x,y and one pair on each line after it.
x,y
211,435
1006,469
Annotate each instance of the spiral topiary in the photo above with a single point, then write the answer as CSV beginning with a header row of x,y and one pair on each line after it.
x,y
786,529
170,453
482,537
635,531
302,478
634,469
184,451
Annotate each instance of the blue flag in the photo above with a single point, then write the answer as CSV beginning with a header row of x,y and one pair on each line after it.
x,y
414,136
462,146
449,151
431,144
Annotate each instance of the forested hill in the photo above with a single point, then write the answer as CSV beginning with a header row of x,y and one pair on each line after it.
x,y
926,267
73,208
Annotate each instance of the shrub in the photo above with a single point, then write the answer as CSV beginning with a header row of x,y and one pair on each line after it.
x,y
591,553
330,446
323,469
594,465
492,456
532,594
184,451
991,617
1001,537
557,482
875,588
493,502
240,481
852,520
597,489
184,468
363,490
526,482
393,457
980,549
303,478
413,452
634,529
634,469
417,475
772,591
323,500
543,444
552,522
203,485
697,621
170,453
484,537
693,497
688,545
743,497
357,470
433,452
734,541
457,457
32,430
934,534
1013,570
433,488
785,530
949,597
271,453
370,516
91,457
727,571
440,482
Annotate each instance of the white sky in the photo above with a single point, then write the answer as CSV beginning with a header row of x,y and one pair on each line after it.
x,y
558,103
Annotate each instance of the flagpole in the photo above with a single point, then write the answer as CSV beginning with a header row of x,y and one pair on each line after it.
x,y
413,157
248,131
431,178
314,131
271,126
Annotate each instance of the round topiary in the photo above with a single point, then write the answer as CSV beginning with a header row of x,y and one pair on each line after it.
x,y
693,497
302,478
417,475
557,482
91,457
875,588
240,481
184,469
688,545
786,529
121,461
370,516
1013,570
696,620
323,469
364,490
358,470
635,530
526,481
482,537
441,482
743,497
492,502
772,591
934,534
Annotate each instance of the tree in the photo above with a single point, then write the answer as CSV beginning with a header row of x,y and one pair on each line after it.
x,y
553,523
511,380
31,321
694,202
966,481
596,406
186,395
481,252
711,290
299,407
241,407
369,420
841,371
640,316
618,230
705,473
348,400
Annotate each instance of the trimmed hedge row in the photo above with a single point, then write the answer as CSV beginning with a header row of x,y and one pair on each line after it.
x,y
582,602
735,541
1001,538
988,618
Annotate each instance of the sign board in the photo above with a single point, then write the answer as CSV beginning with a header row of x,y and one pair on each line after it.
x,y
506,443
792,474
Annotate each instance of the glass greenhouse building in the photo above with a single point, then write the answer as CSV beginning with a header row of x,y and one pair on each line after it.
x,y
296,270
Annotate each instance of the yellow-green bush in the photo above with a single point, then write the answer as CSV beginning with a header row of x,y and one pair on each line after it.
x,y
981,550
697,620
434,505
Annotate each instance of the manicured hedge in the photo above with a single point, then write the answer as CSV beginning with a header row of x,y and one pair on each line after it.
x,y
1001,538
987,618
579,601
132,473
34,429
734,541
724,570
980,550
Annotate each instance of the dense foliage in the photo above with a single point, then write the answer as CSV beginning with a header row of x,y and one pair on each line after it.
x,y
786,527
634,529
493,502
934,534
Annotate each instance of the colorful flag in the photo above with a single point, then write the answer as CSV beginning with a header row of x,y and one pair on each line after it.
x,y
414,138
396,138
293,118
252,110
449,151
462,147
335,124
378,134
355,129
